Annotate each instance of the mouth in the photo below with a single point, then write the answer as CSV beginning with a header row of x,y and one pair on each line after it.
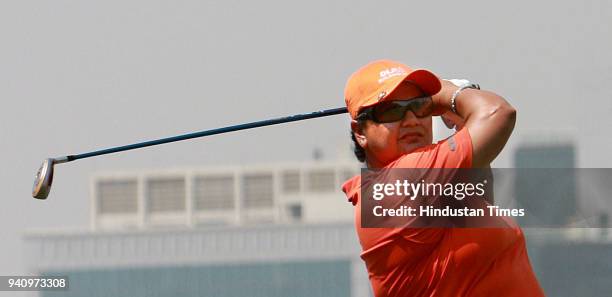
x,y
410,136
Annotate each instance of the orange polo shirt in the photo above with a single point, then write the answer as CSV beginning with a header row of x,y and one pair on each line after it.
x,y
443,261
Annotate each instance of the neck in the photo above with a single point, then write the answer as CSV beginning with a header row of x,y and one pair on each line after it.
x,y
373,163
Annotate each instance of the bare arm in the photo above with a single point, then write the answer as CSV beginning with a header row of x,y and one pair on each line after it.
x,y
488,117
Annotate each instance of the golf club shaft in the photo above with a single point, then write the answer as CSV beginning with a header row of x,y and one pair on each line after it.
x,y
269,122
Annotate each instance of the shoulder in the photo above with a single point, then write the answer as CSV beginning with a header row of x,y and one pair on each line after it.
x,y
351,188
452,152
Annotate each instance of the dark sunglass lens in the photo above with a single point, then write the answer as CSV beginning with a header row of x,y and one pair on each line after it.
x,y
390,112
423,108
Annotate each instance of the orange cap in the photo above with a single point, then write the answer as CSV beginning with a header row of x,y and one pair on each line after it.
x,y
373,83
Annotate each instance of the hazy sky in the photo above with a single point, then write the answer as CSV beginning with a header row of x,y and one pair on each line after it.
x,y
80,75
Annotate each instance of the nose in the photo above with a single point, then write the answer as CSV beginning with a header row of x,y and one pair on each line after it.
x,y
409,119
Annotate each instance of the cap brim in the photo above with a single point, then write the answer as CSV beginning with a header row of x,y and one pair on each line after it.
x,y
427,81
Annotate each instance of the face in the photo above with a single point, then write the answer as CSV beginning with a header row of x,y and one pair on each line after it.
x,y
385,142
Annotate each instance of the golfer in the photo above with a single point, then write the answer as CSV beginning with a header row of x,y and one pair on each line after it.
x,y
391,107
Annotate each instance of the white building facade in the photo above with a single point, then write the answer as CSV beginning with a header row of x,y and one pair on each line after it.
x,y
282,230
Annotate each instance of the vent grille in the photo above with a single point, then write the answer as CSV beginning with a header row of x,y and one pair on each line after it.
x,y
166,195
258,190
116,197
321,180
214,193
291,181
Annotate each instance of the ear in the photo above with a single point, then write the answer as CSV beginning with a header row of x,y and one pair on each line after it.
x,y
358,132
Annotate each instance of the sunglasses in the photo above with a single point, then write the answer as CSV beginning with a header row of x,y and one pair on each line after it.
x,y
393,111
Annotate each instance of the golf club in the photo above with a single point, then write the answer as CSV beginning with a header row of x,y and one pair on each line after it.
x,y
44,176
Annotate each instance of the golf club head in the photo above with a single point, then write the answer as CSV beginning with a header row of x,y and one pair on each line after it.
x,y
43,180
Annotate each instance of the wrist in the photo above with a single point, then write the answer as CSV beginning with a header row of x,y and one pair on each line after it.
x,y
441,100
462,84
451,88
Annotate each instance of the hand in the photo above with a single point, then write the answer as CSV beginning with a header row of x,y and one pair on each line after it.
x,y
439,109
441,100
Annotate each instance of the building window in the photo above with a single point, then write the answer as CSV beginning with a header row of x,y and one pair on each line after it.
x,y
295,211
258,190
166,194
321,180
290,180
214,193
116,197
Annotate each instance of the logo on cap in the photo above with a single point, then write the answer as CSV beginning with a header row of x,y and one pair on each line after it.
x,y
391,72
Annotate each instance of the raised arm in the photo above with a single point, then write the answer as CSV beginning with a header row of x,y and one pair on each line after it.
x,y
488,117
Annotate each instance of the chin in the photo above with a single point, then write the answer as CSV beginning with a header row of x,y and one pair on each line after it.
x,y
411,147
